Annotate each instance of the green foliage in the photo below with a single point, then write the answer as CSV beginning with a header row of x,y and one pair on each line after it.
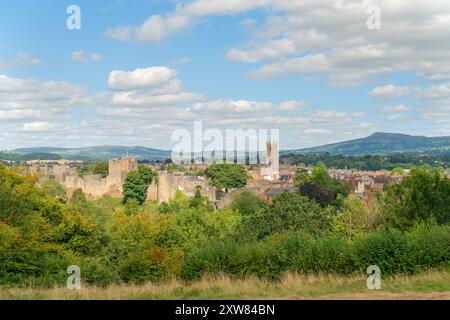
x,y
10,156
315,192
354,218
369,162
247,203
78,196
164,207
197,200
320,186
132,206
423,195
393,251
55,190
332,186
227,176
288,211
398,170
101,168
136,184
41,233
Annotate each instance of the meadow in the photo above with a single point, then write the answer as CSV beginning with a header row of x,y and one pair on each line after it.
x,y
428,285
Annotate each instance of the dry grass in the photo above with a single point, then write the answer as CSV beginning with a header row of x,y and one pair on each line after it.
x,y
431,285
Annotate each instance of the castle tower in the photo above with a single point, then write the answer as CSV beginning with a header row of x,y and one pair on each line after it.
x,y
119,169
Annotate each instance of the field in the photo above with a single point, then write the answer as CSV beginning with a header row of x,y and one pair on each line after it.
x,y
430,285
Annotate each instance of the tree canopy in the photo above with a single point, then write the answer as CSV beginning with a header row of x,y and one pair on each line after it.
x,y
227,176
136,184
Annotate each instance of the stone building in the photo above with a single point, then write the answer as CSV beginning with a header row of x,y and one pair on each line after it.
x,y
94,186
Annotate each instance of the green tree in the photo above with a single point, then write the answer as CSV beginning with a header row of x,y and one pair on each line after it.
x,y
301,177
247,203
353,219
333,187
423,195
136,184
101,168
398,170
315,192
78,196
227,176
197,200
289,211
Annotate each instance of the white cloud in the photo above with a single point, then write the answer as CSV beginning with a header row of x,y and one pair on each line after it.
x,y
292,105
317,131
330,116
156,27
140,78
238,106
396,108
121,33
321,37
83,57
37,127
390,91
135,98
181,61
21,60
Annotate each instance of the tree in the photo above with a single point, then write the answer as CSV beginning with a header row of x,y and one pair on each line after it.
x,y
289,211
136,184
101,168
247,203
301,177
332,186
78,196
317,193
197,200
164,208
423,195
353,219
227,176
398,170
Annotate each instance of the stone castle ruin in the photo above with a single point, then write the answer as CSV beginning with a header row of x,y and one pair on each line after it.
x,y
163,189
94,186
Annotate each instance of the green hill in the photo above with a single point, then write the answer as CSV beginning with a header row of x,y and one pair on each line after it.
x,y
383,143
100,152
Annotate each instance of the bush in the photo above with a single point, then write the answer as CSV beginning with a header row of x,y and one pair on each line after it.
x,y
289,211
392,250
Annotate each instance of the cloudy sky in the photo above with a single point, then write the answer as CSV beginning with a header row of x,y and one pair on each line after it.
x,y
138,70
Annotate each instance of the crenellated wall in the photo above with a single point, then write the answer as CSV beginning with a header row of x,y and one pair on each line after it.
x,y
168,184
94,186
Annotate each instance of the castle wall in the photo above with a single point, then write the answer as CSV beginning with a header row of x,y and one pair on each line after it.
x,y
94,186
169,184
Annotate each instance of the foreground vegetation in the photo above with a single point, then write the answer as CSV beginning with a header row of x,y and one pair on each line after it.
x,y
312,235
430,285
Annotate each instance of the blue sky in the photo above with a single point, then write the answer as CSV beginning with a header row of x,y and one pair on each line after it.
x,y
313,70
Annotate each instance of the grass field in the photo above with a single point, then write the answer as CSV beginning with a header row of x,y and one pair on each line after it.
x,y
431,285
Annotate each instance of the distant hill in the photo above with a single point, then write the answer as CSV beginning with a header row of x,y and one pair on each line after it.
x,y
377,143
100,152
383,143
11,156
